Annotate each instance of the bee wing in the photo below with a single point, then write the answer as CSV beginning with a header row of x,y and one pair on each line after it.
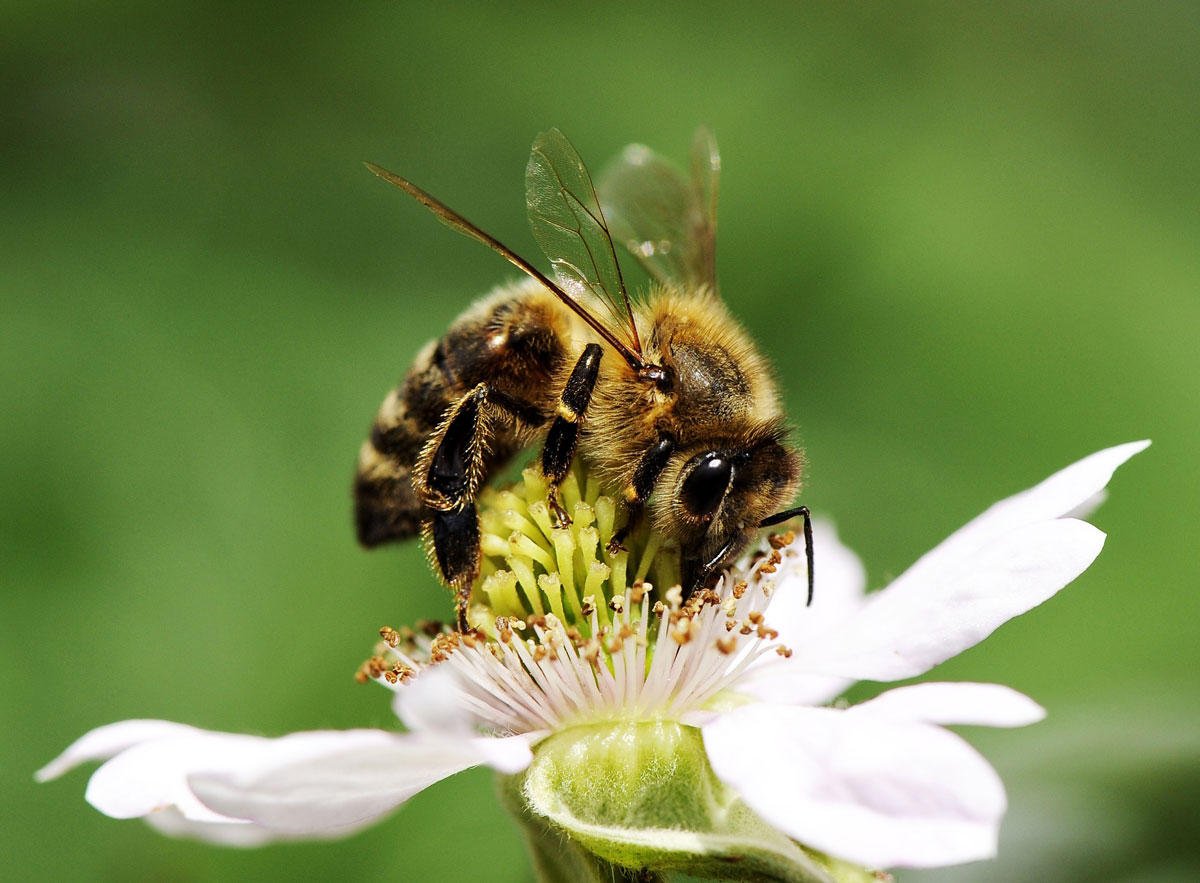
x,y
457,222
667,220
569,225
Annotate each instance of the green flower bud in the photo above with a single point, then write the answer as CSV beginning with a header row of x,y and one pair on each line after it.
x,y
640,797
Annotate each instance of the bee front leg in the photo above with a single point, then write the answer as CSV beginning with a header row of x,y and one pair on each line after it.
x,y
559,448
638,491
447,477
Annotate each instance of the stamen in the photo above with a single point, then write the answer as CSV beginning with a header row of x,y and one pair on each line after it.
x,y
563,632
551,586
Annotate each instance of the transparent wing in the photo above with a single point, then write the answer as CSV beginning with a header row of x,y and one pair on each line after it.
x,y
569,225
666,220
455,221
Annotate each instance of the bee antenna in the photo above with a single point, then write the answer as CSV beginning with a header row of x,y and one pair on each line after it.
x,y
803,512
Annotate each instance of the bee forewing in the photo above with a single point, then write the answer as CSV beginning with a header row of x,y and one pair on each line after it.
x,y
569,225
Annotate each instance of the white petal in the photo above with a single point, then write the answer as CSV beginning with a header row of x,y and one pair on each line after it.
x,y
838,587
1076,488
1011,558
508,754
874,791
838,593
989,705
432,702
1088,506
235,832
344,790
171,822
918,622
154,774
107,741
219,786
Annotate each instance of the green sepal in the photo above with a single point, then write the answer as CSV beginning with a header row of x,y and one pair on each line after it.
x,y
638,800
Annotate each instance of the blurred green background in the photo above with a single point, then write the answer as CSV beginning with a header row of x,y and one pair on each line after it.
x,y
966,234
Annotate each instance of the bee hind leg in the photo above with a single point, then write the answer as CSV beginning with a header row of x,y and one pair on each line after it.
x,y
454,537
563,436
448,475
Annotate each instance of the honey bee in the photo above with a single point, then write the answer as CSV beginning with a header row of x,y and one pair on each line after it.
x,y
663,395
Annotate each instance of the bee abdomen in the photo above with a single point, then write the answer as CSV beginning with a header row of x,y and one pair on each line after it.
x,y
513,342
386,504
386,509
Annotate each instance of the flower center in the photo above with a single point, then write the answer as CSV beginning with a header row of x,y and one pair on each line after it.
x,y
531,568
568,628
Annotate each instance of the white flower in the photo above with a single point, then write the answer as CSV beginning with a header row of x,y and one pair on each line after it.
x,y
744,671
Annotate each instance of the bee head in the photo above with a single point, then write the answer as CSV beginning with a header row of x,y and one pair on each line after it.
x,y
722,491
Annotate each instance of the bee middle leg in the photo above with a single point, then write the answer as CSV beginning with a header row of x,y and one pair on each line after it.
x,y
563,436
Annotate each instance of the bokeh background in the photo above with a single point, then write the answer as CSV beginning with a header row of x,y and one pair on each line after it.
x,y
967,234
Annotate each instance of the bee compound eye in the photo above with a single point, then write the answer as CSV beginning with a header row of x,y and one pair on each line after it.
x,y
705,486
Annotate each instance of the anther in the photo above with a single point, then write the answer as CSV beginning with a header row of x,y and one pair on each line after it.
x,y
371,669
445,644
398,674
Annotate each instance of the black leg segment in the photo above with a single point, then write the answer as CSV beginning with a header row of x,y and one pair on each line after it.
x,y
649,468
645,477
455,537
449,475
572,405
454,466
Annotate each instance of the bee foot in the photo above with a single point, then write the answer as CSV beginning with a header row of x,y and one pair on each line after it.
x,y
615,546
559,516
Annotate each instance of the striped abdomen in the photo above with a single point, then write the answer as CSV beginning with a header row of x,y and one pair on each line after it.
x,y
513,341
